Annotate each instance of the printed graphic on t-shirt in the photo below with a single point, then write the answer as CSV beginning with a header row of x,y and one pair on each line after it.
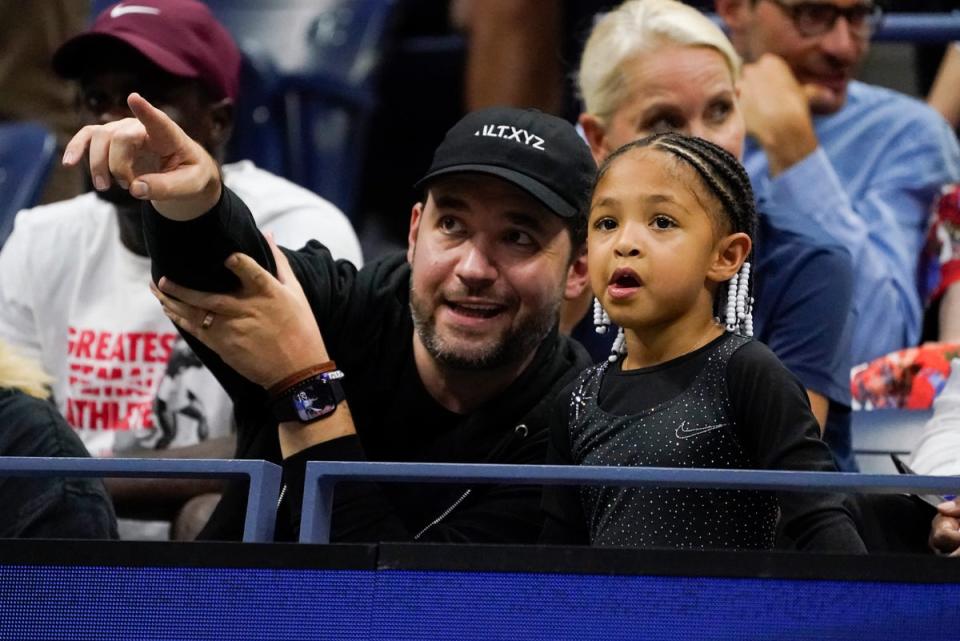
x,y
113,377
147,388
180,409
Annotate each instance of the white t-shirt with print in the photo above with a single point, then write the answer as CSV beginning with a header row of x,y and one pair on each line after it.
x,y
74,298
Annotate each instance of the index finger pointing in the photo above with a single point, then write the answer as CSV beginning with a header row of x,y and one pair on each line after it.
x,y
164,134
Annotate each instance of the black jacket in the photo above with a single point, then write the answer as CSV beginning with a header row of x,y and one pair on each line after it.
x,y
365,319
47,507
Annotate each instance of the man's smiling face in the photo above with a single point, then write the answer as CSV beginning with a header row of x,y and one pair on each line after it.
x,y
489,266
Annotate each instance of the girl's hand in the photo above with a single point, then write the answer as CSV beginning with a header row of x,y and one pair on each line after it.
x,y
152,158
266,331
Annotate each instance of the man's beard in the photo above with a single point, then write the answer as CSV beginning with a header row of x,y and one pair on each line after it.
x,y
515,346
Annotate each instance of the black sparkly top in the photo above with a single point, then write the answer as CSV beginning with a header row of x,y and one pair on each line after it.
x,y
692,429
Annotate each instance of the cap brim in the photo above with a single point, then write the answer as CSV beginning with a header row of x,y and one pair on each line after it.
x,y
550,199
71,59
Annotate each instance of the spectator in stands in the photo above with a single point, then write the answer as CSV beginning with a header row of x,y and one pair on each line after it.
x,y
448,353
660,65
74,275
832,156
50,507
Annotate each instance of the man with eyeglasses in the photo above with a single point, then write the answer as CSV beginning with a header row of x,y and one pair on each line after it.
x,y
831,156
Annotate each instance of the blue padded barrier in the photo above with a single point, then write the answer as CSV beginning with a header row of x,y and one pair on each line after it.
x,y
322,476
110,603
261,499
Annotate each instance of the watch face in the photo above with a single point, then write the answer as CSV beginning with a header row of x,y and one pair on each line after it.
x,y
314,402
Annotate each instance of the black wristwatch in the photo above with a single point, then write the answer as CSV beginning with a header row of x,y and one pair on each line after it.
x,y
309,400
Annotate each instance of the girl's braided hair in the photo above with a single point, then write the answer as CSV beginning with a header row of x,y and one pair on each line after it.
x,y
719,171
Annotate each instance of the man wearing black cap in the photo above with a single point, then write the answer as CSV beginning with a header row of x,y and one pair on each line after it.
x,y
447,354
73,275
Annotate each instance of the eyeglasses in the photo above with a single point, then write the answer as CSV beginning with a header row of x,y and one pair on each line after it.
x,y
817,18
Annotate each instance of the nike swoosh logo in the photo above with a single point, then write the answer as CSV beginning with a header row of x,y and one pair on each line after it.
x,y
124,9
687,432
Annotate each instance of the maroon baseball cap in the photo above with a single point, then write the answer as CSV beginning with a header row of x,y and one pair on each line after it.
x,y
180,36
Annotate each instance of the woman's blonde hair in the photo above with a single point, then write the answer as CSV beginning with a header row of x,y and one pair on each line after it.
x,y
635,27
20,373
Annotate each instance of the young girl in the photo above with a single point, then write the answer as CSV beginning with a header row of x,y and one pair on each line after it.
x,y
669,241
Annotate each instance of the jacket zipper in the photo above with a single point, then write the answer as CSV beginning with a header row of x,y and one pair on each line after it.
x,y
444,515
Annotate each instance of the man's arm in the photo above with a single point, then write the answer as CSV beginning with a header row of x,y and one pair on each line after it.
x,y
885,299
191,227
949,315
883,230
945,92
512,53
776,112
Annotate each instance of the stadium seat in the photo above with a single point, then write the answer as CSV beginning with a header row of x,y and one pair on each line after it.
x,y
877,434
311,75
259,120
26,153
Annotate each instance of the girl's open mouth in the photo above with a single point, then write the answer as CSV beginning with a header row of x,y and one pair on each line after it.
x,y
623,283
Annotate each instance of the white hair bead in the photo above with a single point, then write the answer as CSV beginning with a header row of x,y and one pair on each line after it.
x,y
739,317
601,320
619,347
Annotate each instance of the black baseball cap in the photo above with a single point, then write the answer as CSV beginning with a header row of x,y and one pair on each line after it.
x,y
539,153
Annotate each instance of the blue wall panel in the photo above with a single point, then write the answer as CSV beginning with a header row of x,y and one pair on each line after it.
x,y
111,603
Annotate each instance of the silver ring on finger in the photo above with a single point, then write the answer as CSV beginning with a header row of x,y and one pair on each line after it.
x,y
207,321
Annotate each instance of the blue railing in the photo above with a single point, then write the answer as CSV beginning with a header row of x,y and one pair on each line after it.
x,y
261,499
322,476
896,27
919,27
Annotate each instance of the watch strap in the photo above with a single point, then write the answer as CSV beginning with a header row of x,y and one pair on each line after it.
x,y
309,400
278,389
